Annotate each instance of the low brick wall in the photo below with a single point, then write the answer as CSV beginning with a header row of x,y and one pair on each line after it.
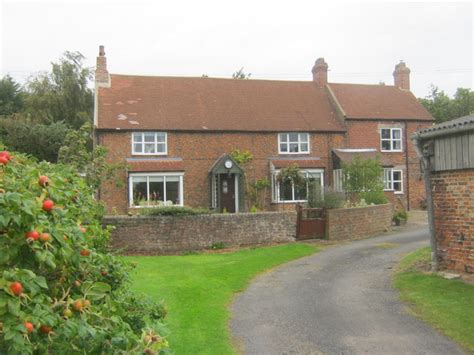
x,y
453,199
354,223
165,235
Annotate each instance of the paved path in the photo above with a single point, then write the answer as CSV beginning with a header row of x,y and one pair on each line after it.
x,y
339,301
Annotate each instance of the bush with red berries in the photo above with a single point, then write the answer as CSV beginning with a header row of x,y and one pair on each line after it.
x,y
61,290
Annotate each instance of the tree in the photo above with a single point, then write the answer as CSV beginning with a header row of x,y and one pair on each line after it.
x,y
239,74
362,179
42,141
443,108
78,153
63,94
11,96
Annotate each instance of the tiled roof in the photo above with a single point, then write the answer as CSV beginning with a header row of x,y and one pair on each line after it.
x,y
173,103
154,164
301,163
378,102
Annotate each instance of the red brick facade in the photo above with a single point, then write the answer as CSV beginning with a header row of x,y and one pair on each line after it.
x,y
453,200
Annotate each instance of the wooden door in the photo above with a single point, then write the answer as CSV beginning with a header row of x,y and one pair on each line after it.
x,y
227,192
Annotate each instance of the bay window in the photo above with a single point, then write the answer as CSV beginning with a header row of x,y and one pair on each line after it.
x,y
156,189
287,191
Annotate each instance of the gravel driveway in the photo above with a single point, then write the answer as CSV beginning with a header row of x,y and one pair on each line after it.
x,y
339,301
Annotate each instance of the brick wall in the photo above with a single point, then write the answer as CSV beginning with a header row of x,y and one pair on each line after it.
x,y
162,235
453,199
354,223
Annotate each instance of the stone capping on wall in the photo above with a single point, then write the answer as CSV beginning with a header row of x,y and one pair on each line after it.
x,y
153,235
358,222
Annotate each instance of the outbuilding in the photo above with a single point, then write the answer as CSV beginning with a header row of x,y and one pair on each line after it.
x,y
447,152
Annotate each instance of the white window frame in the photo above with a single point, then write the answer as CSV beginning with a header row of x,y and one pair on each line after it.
x,y
388,180
276,185
299,142
156,143
148,175
391,140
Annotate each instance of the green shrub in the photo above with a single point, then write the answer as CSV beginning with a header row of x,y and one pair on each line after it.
x,y
329,199
217,245
399,216
60,290
173,211
374,197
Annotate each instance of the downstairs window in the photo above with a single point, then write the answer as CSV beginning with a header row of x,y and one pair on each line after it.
x,y
148,190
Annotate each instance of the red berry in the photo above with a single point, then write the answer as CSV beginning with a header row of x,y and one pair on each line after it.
x,y
29,327
45,329
34,235
45,237
85,252
5,154
3,160
43,181
48,205
16,288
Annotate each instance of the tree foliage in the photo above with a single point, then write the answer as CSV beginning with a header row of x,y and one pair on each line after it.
x,y
444,108
240,74
362,179
11,96
62,94
42,141
78,152
60,290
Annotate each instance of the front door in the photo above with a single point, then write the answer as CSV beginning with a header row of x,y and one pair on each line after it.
x,y
227,192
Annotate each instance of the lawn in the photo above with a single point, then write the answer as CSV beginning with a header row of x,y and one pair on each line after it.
x,y
197,290
448,305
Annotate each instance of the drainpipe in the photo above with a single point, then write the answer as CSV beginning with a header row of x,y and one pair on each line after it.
x,y
423,153
406,166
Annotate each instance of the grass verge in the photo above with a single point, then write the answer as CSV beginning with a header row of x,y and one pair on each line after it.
x,y
197,290
446,304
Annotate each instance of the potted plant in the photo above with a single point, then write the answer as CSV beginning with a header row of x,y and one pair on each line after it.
x,y
400,217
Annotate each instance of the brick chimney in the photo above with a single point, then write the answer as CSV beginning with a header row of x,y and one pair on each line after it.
x,y
102,77
320,72
401,76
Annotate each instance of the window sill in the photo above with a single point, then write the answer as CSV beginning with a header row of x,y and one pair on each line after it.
x,y
149,154
288,202
398,192
293,153
139,207
391,151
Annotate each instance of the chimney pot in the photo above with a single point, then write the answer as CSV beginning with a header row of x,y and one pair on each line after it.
x,y
101,51
102,76
401,76
320,72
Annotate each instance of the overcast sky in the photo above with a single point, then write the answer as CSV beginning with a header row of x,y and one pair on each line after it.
x,y
278,40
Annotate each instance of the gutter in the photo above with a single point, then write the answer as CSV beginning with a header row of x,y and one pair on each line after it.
x,y
422,150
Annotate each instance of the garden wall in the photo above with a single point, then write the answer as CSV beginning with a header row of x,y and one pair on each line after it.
x,y
360,222
166,234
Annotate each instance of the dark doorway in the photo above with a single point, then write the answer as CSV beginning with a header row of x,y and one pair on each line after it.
x,y
227,192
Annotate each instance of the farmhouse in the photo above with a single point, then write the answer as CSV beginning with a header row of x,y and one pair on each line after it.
x,y
447,150
176,136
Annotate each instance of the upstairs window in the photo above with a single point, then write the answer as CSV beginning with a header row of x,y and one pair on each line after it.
x,y
391,139
293,143
149,143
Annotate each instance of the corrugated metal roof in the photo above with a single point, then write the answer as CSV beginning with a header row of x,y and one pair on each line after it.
x,y
460,124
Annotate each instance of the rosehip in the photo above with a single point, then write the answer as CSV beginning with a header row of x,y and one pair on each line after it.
x,y
5,154
77,305
32,234
77,283
48,205
85,252
3,160
43,181
29,327
87,303
45,237
16,288
45,329
67,313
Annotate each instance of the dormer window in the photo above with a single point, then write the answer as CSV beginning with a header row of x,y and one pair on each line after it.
x,y
149,143
293,143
